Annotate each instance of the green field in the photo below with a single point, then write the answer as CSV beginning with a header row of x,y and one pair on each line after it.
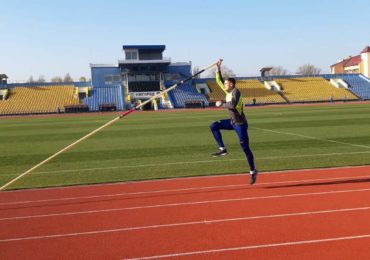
x,y
154,145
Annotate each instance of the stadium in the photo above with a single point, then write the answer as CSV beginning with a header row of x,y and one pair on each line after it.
x,y
145,72
122,165
297,122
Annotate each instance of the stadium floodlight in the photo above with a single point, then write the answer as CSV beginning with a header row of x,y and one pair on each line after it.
x,y
107,124
264,70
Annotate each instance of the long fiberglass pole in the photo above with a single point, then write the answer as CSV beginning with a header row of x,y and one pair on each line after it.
x,y
104,126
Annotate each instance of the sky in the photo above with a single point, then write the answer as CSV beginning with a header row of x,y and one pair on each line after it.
x,y
52,38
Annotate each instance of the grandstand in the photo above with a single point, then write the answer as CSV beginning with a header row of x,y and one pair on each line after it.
x,y
185,95
38,99
216,93
102,98
357,83
254,92
312,89
145,72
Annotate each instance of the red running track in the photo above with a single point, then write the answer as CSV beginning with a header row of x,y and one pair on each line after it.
x,y
308,214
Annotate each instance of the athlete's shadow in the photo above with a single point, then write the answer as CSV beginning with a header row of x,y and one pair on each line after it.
x,y
350,181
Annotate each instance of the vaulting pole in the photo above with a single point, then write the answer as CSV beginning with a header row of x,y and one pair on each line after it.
x,y
105,125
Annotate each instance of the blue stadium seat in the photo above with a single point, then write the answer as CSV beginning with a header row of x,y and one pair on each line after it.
x,y
357,83
186,92
105,95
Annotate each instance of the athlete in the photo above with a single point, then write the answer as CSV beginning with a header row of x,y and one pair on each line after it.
x,y
237,121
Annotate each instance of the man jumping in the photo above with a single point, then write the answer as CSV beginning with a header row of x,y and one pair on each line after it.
x,y
237,121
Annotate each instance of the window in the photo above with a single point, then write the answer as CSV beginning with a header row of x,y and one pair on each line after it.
x,y
173,76
131,55
108,79
116,78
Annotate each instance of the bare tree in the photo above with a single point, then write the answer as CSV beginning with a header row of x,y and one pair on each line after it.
x,y
195,71
57,79
67,78
308,69
41,79
226,72
82,79
277,71
30,79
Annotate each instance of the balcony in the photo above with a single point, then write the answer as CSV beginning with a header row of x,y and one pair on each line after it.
x,y
165,60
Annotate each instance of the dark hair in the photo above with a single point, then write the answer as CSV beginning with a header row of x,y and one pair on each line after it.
x,y
232,80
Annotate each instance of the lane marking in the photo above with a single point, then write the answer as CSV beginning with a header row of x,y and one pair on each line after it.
x,y
185,162
179,190
174,179
182,204
203,222
312,137
242,248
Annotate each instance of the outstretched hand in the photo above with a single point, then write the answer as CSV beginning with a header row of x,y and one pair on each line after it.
x,y
219,64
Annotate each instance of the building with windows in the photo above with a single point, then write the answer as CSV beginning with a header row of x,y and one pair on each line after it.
x,y
356,64
142,74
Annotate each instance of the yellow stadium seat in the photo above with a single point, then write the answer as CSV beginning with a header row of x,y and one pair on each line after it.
x,y
312,90
254,91
216,92
251,90
38,99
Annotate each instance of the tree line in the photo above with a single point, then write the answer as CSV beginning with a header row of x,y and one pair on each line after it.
x,y
305,69
56,79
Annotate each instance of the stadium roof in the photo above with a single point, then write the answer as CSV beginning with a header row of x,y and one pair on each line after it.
x,y
145,47
366,50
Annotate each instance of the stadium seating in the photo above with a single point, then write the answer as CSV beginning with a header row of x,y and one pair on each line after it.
x,y
105,95
250,89
254,89
357,84
38,99
186,93
216,92
313,89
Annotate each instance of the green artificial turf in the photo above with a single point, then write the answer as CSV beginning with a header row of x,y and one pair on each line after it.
x,y
154,145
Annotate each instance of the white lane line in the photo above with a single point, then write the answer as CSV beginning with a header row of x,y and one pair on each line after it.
x,y
124,183
180,190
312,137
202,222
188,162
242,248
182,204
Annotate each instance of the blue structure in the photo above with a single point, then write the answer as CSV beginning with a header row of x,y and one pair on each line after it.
x,y
104,96
144,73
104,75
3,81
358,84
186,93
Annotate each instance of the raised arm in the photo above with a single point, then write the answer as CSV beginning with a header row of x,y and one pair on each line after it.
x,y
219,79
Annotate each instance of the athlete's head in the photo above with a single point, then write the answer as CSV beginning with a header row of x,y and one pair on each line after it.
x,y
229,84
